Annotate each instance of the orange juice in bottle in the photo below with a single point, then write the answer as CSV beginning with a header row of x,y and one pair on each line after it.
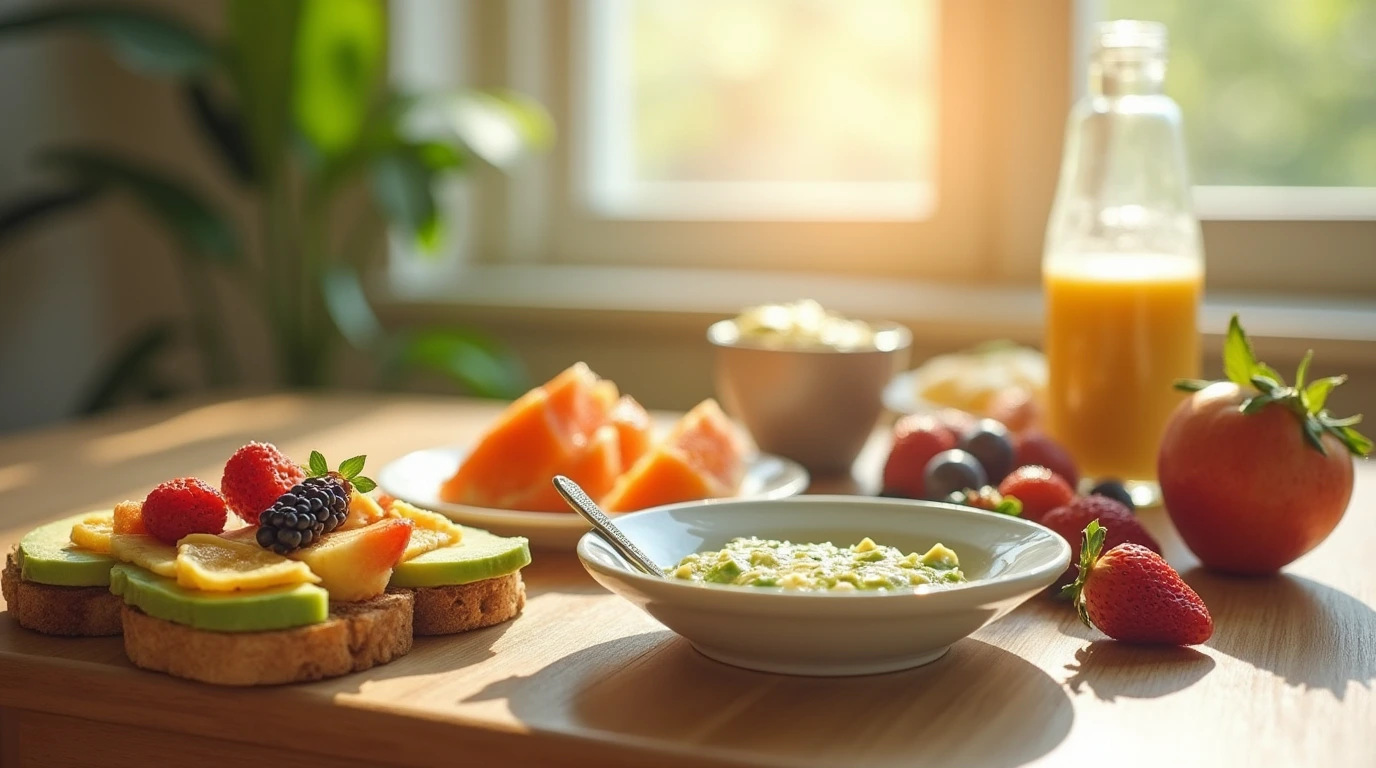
x,y
1123,269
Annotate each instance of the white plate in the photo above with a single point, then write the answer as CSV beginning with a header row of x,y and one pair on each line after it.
x,y
900,395
1006,559
416,478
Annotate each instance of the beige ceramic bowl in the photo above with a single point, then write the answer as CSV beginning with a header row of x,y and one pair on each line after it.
x,y
816,406
1007,560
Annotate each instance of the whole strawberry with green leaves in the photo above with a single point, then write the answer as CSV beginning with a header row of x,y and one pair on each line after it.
x,y
1131,594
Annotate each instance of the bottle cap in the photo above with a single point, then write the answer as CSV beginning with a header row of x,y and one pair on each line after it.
x,y
1128,36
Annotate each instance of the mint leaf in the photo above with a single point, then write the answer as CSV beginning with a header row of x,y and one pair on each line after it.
x,y
318,464
351,467
1316,394
1191,385
363,484
1239,361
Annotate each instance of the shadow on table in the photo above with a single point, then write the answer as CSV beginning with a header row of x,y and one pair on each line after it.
x,y
430,657
979,705
1111,669
1308,634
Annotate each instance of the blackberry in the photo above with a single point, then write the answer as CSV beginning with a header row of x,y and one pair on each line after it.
x,y
313,507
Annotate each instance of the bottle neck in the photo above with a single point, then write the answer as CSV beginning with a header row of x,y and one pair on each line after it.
x,y
1126,77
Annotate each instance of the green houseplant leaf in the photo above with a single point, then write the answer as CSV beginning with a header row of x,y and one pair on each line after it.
x,y
403,187
337,66
472,360
348,307
189,217
130,368
143,40
496,125
223,128
18,216
262,38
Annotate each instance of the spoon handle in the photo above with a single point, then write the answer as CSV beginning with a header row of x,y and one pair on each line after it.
x,y
579,500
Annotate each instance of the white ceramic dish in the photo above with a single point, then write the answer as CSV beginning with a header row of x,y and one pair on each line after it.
x,y
1006,559
900,395
416,478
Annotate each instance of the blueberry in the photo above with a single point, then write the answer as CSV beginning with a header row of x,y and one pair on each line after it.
x,y
951,471
989,442
1116,491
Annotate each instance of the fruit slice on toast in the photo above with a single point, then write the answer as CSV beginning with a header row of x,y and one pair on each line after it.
x,y
94,531
356,564
146,552
217,564
704,457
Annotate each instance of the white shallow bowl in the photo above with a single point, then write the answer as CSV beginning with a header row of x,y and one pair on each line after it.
x,y
416,478
1006,559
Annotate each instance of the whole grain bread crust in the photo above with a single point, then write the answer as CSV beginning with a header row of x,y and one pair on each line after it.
x,y
462,607
357,636
53,610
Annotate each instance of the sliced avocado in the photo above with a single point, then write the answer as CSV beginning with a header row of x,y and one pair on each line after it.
x,y
479,555
46,555
248,611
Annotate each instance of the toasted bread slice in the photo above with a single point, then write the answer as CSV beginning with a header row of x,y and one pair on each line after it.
x,y
357,636
70,611
461,607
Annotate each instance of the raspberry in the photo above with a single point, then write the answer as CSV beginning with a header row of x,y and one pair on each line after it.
x,y
1120,524
1039,489
255,476
916,439
184,506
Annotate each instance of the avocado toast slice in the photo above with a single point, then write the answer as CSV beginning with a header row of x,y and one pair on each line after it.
x,y
469,585
283,634
53,586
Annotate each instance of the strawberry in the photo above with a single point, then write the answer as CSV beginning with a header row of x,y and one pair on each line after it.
x,y
184,506
1133,595
1033,447
1039,489
1071,519
916,439
255,476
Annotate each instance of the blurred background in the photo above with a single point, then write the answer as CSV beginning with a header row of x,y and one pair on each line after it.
x,y
463,196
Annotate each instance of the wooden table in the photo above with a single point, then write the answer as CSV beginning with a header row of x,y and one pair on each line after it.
x,y
582,678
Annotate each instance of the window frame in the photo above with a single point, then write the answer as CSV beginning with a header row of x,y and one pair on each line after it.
x,y
1000,64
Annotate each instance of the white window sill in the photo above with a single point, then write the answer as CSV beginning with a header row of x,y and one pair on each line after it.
x,y
946,315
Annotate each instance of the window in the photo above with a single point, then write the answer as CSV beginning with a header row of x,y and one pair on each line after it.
x,y
1279,102
758,109
908,139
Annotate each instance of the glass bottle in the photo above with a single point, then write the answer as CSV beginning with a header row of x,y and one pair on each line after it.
x,y
1123,267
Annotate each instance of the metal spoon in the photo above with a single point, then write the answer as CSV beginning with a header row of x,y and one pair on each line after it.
x,y
603,525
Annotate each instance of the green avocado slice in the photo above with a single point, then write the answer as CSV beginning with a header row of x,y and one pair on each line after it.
x,y
46,555
480,555
249,611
